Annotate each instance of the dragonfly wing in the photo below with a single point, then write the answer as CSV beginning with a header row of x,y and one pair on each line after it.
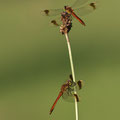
x,y
79,85
71,77
77,97
79,3
52,12
69,96
57,21
85,9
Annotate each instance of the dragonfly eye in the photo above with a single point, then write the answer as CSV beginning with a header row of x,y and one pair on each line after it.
x,y
65,7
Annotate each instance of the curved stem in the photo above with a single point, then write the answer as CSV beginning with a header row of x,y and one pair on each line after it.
x,y
73,73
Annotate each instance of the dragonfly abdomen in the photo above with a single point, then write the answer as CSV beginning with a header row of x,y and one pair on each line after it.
x,y
80,20
53,106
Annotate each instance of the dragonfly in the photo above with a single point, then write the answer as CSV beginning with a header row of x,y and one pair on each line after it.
x,y
80,7
68,91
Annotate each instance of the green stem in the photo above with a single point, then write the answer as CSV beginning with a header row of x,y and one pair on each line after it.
x,y
73,73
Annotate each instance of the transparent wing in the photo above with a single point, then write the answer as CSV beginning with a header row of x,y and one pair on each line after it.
x,y
57,21
52,12
86,9
79,3
70,96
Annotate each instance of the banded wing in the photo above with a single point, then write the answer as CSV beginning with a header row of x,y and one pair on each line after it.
x,y
70,97
52,12
57,21
78,85
87,9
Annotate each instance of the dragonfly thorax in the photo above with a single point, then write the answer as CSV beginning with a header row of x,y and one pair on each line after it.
x,y
64,87
68,9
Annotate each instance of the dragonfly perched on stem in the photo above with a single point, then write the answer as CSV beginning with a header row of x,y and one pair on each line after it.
x,y
67,91
80,7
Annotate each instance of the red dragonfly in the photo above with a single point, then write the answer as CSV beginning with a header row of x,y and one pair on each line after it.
x,y
67,91
82,10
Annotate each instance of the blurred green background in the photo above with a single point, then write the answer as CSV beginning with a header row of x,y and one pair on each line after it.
x,y
34,62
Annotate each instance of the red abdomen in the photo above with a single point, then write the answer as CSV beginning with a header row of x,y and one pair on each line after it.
x,y
80,20
53,106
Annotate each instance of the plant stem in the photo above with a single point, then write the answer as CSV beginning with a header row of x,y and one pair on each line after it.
x,y
73,73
